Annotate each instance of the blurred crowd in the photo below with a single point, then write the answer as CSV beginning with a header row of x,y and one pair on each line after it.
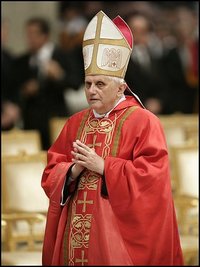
x,y
163,69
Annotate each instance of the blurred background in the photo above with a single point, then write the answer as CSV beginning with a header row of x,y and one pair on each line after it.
x,y
43,84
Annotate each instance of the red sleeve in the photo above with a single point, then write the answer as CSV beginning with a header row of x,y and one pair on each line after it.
x,y
58,164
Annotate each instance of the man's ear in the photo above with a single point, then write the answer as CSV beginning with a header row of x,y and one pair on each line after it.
x,y
121,89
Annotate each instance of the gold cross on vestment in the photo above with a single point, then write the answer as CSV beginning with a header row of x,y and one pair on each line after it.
x,y
84,201
82,260
94,144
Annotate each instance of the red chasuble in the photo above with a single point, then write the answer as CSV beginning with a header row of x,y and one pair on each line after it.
x,y
125,217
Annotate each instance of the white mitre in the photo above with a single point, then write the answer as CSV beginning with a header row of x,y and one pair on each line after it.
x,y
107,46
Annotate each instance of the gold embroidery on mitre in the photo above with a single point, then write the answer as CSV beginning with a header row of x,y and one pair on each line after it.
x,y
112,58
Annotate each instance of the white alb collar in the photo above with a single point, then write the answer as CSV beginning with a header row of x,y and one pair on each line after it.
x,y
97,115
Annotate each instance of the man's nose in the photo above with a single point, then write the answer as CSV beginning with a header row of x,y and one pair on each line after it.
x,y
92,89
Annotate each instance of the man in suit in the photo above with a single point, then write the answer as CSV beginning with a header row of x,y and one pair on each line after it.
x,y
180,64
41,75
144,74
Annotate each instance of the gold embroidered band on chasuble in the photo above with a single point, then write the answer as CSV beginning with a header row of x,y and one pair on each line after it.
x,y
81,205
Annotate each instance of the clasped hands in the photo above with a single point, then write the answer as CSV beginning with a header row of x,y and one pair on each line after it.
x,y
85,157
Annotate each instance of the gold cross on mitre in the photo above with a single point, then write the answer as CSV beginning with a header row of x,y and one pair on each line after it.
x,y
82,260
94,142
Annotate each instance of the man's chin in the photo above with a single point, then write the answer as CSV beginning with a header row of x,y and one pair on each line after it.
x,y
94,105
96,109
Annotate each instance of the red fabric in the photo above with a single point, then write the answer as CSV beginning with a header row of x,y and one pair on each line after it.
x,y
125,30
136,223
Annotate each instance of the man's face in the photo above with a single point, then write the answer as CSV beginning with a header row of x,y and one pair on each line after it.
x,y
140,29
101,93
35,38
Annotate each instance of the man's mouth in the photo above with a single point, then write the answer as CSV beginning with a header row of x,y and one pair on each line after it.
x,y
93,100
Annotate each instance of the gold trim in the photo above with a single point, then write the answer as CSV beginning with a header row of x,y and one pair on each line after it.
x,y
75,238
95,125
93,68
118,42
80,129
88,180
118,132
96,41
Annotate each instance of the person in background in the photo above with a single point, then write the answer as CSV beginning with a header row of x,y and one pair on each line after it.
x,y
41,76
180,64
144,73
71,30
72,25
10,109
107,175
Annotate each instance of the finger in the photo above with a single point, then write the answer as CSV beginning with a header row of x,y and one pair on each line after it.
x,y
74,144
82,151
77,148
82,145
82,163
79,156
75,154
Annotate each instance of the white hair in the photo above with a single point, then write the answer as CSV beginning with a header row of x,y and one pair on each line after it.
x,y
117,79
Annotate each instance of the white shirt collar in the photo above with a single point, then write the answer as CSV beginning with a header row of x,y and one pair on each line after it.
x,y
43,55
97,115
45,52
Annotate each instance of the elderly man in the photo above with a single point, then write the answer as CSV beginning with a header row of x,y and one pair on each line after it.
x,y
107,175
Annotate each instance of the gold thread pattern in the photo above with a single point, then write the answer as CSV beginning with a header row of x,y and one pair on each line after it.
x,y
99,134
88,180
82,124
118,132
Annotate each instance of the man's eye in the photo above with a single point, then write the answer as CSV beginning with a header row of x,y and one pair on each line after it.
x,y
87,85
100,84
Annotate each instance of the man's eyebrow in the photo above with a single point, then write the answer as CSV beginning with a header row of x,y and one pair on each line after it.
x,y
95,81
100,81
